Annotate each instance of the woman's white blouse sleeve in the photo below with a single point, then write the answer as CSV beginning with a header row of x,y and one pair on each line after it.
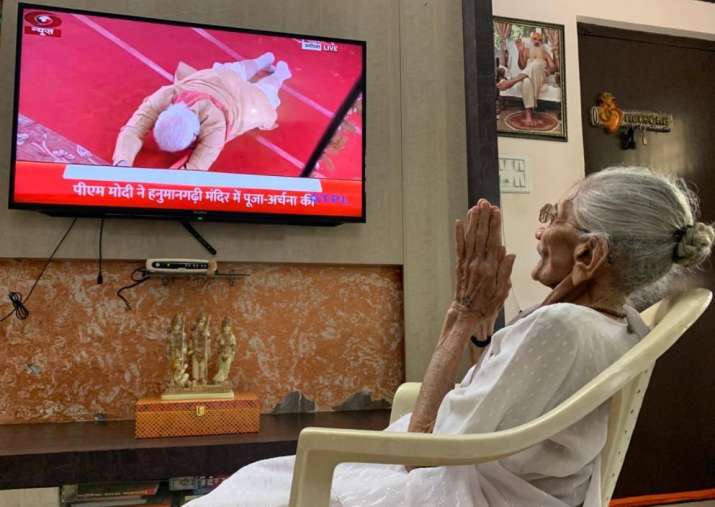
x,y
522,371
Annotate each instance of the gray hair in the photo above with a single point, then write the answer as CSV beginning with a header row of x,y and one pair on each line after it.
x,y
176,127
650,222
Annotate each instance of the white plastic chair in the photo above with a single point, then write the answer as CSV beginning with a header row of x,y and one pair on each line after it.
x,y
624,382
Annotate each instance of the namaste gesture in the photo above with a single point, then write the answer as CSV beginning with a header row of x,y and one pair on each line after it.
x,y
483,269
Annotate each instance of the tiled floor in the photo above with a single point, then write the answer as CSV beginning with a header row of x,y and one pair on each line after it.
x,y
708,503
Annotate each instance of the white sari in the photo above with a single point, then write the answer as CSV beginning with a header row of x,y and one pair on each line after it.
x,y
530,367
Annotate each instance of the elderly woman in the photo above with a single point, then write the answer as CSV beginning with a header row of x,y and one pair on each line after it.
x,y
616,233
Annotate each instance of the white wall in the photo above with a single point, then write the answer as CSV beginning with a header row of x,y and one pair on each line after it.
x,y
555,166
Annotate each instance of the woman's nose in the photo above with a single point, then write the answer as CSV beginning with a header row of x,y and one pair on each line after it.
x,y
539,232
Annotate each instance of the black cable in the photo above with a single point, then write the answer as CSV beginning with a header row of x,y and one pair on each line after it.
x,y
18,308
100,278
137,281
18,303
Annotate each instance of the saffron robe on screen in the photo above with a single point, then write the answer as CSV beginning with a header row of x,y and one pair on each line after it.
x,y
226,104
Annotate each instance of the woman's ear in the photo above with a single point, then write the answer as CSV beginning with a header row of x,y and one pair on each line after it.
x,y
589,255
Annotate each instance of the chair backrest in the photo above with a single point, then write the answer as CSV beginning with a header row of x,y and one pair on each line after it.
x,y
623,383
666,327
625,406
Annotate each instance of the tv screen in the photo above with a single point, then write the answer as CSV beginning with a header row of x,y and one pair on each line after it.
x,y
138,117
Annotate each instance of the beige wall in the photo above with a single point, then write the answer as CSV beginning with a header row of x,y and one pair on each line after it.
x,y
434,166
416,164
555,166
30,234
416,145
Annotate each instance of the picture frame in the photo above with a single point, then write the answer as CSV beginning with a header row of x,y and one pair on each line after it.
x,y
530,72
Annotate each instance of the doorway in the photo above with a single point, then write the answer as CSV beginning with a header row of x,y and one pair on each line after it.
x,y
673,447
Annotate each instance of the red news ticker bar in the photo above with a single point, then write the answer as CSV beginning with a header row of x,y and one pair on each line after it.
x,y
43,183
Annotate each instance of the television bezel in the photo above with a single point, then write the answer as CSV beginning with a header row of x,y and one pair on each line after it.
x,y
176,214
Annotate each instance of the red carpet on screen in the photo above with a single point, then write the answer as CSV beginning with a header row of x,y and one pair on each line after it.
x,y
85,84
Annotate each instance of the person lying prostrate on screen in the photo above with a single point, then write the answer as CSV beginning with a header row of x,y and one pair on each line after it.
x,y
203,110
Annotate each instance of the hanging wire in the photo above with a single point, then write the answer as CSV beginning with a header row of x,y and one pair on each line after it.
x,y
16,299
139,276
100,278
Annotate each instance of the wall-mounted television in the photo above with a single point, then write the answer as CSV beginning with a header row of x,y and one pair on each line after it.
x,y
117,115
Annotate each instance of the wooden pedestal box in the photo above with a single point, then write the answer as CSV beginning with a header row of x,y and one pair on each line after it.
x,y
181,418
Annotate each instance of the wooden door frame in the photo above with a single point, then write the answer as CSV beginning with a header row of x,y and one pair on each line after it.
x,y
610,32
481,106
480,101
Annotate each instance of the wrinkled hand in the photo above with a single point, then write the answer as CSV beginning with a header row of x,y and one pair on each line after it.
x,y
483,268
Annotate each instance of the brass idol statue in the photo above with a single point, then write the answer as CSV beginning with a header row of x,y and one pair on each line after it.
x,y
197,353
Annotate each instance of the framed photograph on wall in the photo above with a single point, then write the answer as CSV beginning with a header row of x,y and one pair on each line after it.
x,y
530,78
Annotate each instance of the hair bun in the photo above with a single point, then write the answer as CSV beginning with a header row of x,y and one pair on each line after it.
x,y
694,245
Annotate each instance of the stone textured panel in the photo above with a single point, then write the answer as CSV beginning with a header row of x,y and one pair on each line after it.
x,y
326,331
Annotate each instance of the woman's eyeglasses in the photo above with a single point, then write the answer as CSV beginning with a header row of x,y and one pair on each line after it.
x,y
548,213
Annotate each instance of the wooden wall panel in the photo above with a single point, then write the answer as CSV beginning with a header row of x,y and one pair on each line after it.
x,y
673,446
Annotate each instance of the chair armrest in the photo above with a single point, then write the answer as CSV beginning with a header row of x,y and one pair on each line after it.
x,y
421,449
404,400
320,450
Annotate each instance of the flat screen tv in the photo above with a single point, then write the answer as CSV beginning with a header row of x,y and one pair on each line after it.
x,y
123,116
